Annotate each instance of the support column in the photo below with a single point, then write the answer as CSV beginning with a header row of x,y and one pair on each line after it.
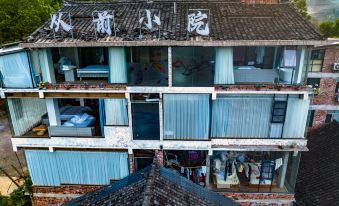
x,y
131,163
208,166
161,118
170,66
53,112
283,170
159,155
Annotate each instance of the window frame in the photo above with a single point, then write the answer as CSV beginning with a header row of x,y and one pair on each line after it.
x,y
320,56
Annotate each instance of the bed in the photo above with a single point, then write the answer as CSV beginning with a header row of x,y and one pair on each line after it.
x,y
67,112
245,74
93,71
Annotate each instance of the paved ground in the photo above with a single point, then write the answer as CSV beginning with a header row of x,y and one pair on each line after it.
x,y
7,156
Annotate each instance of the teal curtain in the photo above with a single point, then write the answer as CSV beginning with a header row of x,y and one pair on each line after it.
x,y
117,65
224,66
75,167
241,116
116,112
296,117
186,116
15,70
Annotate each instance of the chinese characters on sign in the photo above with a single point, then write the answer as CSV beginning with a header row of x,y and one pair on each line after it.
x,y
57,21
146,19
149,21
198,22
104,21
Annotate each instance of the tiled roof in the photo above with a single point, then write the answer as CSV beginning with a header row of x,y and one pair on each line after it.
x,y
318,179
229,21
152,186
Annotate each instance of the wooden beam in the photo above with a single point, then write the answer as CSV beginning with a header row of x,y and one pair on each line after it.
x,y
22,94
83,95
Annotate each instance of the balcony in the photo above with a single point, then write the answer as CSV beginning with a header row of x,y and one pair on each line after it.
x,y
253,172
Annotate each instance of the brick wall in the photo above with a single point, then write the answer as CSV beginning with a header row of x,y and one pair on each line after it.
x,y
53,196
131,163
327,92
261,199
318,119
159,154
331,56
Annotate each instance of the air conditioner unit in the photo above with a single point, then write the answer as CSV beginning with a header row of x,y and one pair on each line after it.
x,y
335,67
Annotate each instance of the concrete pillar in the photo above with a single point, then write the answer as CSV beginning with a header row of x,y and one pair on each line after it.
x,y
82,102
53,112
159,155
300,64
46,65
161,118
208,167
283,170
170,67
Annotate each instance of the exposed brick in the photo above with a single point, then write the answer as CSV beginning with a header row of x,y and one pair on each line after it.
x,y
327,92
331,56
131,163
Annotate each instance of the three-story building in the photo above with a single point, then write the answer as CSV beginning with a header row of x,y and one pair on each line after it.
x,y
216,89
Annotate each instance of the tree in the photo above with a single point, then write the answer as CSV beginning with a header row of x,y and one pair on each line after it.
x,y
301,6
19,18
329,28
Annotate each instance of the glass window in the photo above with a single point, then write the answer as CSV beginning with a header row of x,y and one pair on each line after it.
x,y
310,118
316,61
147,66
193,66
279,111
145,116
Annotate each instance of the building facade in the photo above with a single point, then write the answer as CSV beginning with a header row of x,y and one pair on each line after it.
x,y
216,90
323,75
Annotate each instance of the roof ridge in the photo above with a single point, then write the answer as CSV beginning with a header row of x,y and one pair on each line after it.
x,y
150,180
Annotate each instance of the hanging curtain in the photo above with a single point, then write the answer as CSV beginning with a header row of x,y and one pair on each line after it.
x,y
277,59
296,117
224,66
290,58
260,51
116,112
15,70
241,116
102,115
186,116
25,113
74,167
117,65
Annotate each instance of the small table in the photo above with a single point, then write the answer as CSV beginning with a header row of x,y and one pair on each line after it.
x,y
69,72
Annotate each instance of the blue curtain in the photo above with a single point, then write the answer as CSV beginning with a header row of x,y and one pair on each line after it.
x,y
296,117
74,167
15,70
224,66
260,52
116,112
186,116
117,65
241,116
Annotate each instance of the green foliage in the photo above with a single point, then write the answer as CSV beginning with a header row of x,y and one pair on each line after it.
x,y
329,28
301,7
19,18
18,197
